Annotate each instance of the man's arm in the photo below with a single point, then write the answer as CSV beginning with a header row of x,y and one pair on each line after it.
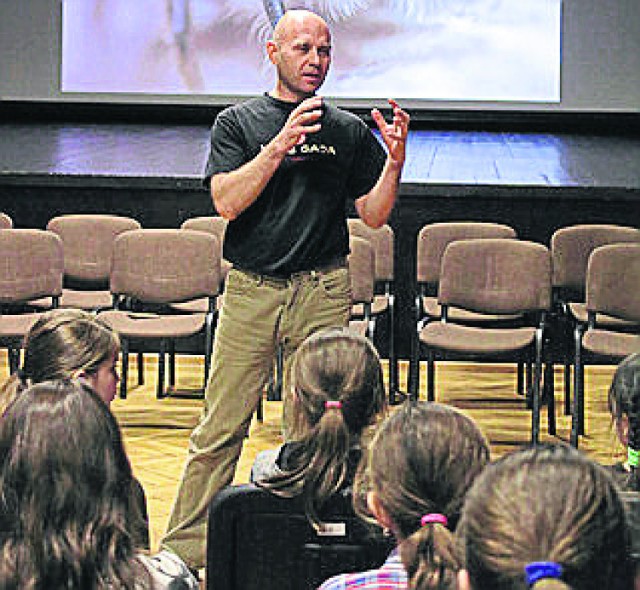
x,y
375,207
232,192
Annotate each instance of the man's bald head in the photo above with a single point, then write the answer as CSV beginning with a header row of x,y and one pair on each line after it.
x,y
293,20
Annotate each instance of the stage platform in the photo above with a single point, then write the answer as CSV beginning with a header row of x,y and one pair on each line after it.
x,y
535,181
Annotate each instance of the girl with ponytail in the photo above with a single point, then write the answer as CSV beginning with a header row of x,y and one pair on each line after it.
x,y
338,392
546,518
419,466
624,405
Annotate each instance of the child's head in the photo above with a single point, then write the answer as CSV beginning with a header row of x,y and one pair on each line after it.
x,y
624,401
65,344
66,484
340,369
338,391
548,509
421,462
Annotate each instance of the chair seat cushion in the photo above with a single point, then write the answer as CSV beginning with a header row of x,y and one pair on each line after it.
x,y
16,326
611,344
200,305
432,309
579,313
379,306
478,341
148,325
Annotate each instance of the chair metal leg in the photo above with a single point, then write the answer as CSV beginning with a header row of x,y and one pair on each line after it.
x,y
172,363
549,396
161,369
140,368
520,388
431,378
125,367
567,388
13,355
578,385
535,391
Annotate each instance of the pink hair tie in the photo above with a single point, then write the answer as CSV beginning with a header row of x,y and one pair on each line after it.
x,y
434,518
333,404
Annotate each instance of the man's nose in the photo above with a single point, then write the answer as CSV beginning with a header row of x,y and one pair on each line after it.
x,y
314,57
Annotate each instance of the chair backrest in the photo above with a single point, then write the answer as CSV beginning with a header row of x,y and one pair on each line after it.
x,y
213,224
5,221
165,265
613,281
88,242
257,540
434,238
382,239
496,275
31,265
571,247
361,261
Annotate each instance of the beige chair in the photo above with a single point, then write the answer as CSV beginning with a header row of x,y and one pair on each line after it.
x,y
612,289
5,221
505,277
151,269
88,242
432,242
571,247
31,266
383,241
362,272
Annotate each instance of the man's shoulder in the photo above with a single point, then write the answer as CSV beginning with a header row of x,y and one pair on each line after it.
x,y
343,115
248,105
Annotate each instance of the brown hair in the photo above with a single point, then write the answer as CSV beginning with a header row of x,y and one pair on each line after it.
x,y
547,503
422,460
339,366
624,400
61,342
65,507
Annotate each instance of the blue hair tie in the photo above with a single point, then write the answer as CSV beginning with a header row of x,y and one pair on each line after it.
x,y
538,570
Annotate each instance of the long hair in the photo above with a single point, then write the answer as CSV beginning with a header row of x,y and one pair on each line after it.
x,y
422,460
624,401
552,504
61,342
339,391
65,505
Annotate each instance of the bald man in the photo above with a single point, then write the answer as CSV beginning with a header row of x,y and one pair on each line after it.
x,y
281,169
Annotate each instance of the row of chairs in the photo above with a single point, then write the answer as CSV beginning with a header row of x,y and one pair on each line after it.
x,y
87,262
494,297
148,284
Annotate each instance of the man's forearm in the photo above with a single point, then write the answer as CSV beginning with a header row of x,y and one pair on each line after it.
x,y
375,207
232,192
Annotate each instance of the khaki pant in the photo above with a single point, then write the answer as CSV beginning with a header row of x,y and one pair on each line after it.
x,y
258,313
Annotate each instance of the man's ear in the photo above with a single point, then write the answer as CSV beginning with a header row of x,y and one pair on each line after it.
x,y
272,49
378,510
464,583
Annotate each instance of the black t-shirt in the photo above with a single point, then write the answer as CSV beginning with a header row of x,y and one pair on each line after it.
x,y
299,220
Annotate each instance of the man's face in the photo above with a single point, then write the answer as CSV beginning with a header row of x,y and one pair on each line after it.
x,y
302,55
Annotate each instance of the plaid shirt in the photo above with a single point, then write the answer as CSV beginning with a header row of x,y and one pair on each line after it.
x,y
391,576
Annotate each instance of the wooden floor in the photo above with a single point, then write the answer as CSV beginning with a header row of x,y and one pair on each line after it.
x,y
156,432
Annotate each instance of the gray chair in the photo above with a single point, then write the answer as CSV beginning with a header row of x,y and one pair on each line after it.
x,y
383,241
88,241
505,277
432,241
612,289
152,269
571,247
32,266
